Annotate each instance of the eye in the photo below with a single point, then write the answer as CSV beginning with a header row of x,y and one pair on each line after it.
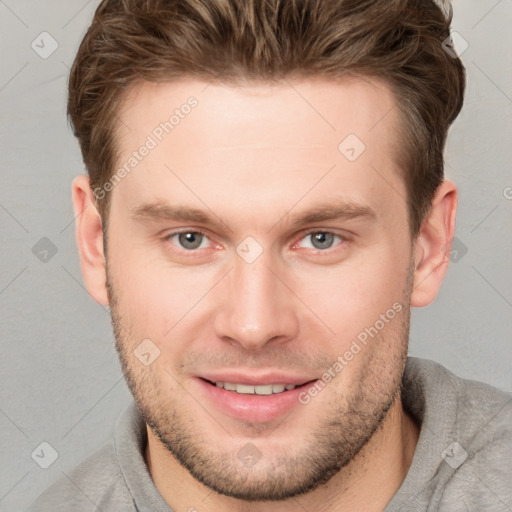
x,y
322,240
189,240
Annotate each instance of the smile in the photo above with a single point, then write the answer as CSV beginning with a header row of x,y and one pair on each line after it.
x,y
267,389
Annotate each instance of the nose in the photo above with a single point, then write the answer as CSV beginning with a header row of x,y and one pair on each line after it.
x,y
255,306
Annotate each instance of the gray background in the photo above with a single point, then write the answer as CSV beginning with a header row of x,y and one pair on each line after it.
x,y
60,379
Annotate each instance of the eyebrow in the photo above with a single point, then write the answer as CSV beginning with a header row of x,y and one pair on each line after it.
x,y
323,212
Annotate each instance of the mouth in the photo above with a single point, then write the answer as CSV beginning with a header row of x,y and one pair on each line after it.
x,y
263,389
253,403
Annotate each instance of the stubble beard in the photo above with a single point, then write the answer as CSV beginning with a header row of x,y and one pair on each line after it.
x,y
347,425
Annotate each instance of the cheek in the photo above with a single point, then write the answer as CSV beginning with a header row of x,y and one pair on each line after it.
x,y
159,300
155,299
353,295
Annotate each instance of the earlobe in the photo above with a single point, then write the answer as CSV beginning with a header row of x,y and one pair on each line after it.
x,y
89,237
433,245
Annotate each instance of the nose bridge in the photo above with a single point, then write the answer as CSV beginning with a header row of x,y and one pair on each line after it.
x,y
258,307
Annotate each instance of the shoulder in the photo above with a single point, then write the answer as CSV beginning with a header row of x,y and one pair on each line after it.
x,y
468,426
95,484
483,423
469,407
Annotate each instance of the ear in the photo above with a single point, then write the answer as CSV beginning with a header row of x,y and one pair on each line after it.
x,y
433,245
89,237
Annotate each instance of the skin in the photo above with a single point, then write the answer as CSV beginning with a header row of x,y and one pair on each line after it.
x,y
257,156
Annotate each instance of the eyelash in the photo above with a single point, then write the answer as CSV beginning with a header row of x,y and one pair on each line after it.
x,y
194,252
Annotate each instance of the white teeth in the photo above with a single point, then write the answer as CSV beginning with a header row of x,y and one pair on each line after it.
x,y
263,390
244,389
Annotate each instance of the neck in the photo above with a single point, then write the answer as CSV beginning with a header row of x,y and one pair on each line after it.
x,y
367,483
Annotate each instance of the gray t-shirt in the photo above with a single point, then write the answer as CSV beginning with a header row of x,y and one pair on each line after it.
x,y
462,462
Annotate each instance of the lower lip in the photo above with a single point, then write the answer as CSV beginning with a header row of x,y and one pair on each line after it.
x,y
253,408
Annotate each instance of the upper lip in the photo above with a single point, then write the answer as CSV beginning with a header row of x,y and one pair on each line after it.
x,y
252,379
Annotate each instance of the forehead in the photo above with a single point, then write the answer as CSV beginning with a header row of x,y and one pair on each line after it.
x,y
258,145
325,105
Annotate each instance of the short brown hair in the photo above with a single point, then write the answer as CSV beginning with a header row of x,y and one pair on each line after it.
x,y
237,41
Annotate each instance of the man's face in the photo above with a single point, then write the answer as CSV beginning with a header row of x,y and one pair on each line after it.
x,y
251,296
